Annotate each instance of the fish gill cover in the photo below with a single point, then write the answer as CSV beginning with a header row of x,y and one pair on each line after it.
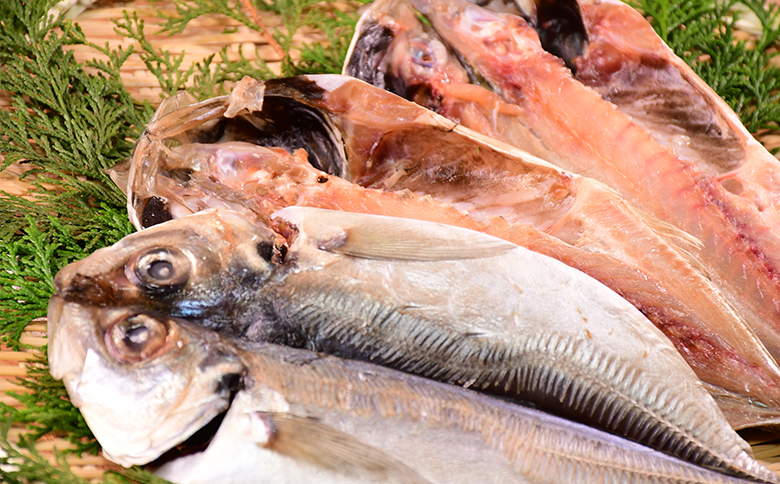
x,y
66,122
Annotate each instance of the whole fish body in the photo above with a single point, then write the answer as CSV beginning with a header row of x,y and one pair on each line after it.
x,y
596,231
148,383
430,299
594,137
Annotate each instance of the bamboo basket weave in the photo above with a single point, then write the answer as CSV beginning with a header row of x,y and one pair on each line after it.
x,y
203,37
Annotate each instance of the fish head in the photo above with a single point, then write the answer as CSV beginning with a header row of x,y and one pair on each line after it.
x,y
280,114
144,382
203,267
395,49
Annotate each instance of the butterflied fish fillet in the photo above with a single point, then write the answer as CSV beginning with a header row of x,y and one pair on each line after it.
x,y
431,299
631,67
262,413
413,149
740,250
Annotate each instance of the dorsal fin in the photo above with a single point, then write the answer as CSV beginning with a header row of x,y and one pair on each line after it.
x,y
390,238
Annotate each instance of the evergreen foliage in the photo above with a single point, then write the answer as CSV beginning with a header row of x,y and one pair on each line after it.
x,y
69,122
740,70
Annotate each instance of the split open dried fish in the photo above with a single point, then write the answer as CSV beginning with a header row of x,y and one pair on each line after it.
x,y
431,299
151,387
409,57
394,145
591,135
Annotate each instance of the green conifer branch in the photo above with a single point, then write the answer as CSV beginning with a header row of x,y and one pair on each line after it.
x,y
741,71
68,124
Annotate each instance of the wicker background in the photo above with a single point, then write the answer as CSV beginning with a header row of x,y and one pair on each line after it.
x,y
205,36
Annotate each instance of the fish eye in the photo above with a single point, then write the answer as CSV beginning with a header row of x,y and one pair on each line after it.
x,y
137,338
162,269
422,53
428,53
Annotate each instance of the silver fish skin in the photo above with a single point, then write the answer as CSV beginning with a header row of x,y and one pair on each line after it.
x,y
410,58
434,300
296,416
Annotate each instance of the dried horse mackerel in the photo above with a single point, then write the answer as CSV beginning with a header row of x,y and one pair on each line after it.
x,y
430,299
410,59
263,413
572,219
740,245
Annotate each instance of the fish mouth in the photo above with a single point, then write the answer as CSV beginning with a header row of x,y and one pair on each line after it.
x,y
196,443
201,439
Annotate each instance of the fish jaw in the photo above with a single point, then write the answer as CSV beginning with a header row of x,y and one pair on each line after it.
x,y
139,410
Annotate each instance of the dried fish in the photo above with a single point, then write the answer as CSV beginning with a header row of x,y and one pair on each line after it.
x,y
431,299
152,386
506,192
592,136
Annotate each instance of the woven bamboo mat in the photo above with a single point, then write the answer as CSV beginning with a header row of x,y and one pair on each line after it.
x,y
203,37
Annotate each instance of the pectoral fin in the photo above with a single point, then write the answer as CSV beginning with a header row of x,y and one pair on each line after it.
x,y
311,441
390,238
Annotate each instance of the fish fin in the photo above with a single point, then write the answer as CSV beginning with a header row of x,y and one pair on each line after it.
x,y
120,174
246,95
391,238
172,103
310,440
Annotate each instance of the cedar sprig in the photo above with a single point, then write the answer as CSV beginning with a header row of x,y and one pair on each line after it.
x,y
295,15
338,28
22,464
741,71
46,409
29,261
204,79
166,66
215,75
